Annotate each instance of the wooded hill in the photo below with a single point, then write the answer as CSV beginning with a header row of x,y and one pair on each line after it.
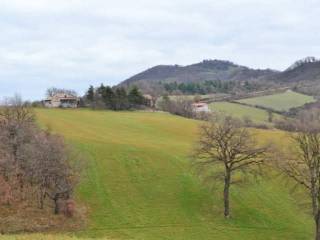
x,y
216,76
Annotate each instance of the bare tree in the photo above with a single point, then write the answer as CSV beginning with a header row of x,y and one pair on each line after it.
x,y
34,158
53,91
16,124
180,106
302,164
48,167
225,147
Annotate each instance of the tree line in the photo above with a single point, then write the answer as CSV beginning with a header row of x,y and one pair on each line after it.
x,y
214,86
114,98
35,165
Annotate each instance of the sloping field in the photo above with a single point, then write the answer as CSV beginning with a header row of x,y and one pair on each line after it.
x,y
281,102
138,183
241,111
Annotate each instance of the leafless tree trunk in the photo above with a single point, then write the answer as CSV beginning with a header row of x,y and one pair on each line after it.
x,y
225,143
56,205
227,182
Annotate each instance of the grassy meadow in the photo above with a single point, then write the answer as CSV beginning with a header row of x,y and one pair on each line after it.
x,y
242,111
280,102
138,183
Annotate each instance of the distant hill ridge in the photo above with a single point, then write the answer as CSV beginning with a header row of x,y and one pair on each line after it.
x,y
307,69
302,62
205,70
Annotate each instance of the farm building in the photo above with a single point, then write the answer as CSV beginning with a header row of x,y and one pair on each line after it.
x,y
61,100
200,107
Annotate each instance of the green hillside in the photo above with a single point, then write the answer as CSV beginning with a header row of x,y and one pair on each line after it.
x,y
281,102
138,183
241,111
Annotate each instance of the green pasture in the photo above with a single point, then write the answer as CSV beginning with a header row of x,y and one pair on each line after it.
x,y
242,111
138,183
280,102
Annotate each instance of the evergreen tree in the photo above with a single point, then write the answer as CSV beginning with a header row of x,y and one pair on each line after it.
x,y
101,90
114,99
121,98
135,97
90,94
109,98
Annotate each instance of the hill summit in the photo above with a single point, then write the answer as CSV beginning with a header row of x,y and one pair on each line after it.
x,y
302,62
306,70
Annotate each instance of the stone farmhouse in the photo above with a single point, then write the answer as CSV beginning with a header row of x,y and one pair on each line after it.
x,y
61,100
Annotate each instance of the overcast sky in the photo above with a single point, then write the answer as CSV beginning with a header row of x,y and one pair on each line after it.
x,y
75,43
